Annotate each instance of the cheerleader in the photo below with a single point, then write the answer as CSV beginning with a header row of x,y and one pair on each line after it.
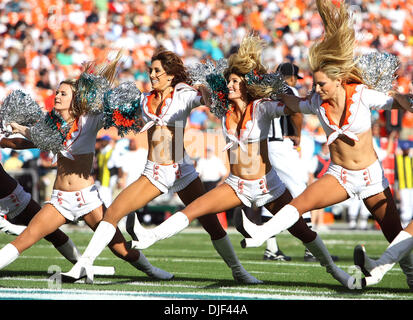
x,y
253,181
75,194
164,111
342,102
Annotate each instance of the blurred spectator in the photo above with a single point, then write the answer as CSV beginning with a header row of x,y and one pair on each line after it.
x,y
357,212
44,81
132,164
47,173
198,118
13,163
104,168
211,169
404,180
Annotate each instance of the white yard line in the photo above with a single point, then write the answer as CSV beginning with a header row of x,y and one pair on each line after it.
x,y
238,293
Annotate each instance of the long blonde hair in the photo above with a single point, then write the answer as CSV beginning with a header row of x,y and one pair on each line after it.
x,y
247,59
334,53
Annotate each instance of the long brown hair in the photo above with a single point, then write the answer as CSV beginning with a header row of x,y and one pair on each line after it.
x,y
172,65
107,71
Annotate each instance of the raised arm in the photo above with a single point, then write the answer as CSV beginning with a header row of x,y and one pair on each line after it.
x,y
206,96
402,101
291,101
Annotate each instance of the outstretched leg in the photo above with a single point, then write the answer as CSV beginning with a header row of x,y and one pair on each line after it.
x,y
219,237
219,199
323,193
374,270
107,234
47,220
58,238
313,243
383,208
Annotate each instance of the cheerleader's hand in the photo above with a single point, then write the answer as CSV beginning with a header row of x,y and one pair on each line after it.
x,y
17,128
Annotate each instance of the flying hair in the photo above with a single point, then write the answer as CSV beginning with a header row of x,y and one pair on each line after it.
x,y
96,78
247,59
333,54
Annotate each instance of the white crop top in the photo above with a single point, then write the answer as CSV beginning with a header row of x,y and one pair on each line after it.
x,y
174,111
359,100
256,123
82,137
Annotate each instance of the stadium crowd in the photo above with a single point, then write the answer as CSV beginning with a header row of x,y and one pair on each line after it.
x,y
45,42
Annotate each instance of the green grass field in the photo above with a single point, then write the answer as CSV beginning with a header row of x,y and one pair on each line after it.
x,y
200,273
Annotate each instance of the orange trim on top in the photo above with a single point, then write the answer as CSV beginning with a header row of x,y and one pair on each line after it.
x,y
350,90
74,128
249,110
159,109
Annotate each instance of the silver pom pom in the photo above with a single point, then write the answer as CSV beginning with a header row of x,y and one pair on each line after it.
x,y
199,72
379,70
90,92
19,107
273,81
276,82
47,138
211,76
121,107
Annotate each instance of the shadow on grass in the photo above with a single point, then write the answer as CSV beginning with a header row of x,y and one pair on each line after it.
x,y
113,280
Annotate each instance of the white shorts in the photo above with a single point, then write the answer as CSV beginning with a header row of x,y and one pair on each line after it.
x,y
360,184
256,193
170,178
74,205
14,203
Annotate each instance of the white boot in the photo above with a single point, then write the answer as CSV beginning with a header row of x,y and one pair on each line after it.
x,y
171,226
10,228
376,269
281,221
82,269
225,249
319,250
84,266
8,254
71,253
145,266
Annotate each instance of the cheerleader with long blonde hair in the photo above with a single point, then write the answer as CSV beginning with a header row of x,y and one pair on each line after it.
x,y
342,100
252,181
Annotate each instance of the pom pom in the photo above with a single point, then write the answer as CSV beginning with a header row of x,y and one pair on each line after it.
x,y
199,72
275,81
19,107
121,107
379,70
212,77
90,92
219,95
50,132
